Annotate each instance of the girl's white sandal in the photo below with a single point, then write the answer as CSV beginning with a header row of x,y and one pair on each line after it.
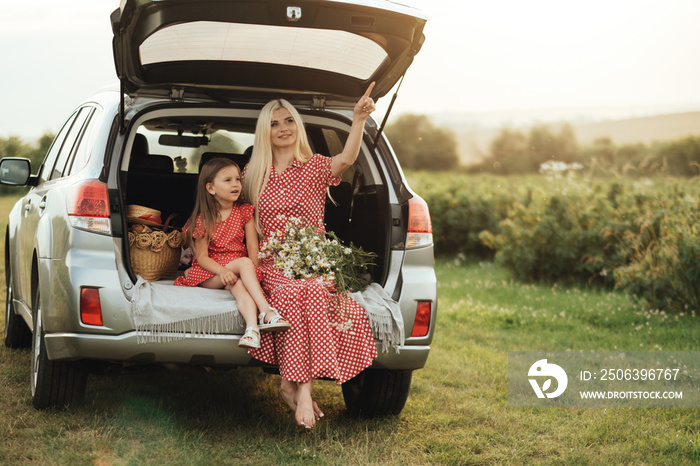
x,y
253,335
274,325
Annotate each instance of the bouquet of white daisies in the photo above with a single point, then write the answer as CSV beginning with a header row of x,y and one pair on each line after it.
x,y
301,252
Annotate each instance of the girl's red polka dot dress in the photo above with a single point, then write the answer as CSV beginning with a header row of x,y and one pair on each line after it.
x,y
225,245
330,335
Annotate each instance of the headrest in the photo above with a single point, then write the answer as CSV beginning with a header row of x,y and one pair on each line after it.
x,y
240,159
152,163
140,145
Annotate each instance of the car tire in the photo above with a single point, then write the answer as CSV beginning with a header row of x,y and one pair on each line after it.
x,y
17,334
53,383
377,392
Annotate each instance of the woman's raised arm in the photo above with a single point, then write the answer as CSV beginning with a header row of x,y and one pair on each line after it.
x,y
362,110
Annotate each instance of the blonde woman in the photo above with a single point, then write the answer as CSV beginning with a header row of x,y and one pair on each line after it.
x,y
285,179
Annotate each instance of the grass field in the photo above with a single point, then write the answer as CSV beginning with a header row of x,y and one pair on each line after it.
x,y
457,412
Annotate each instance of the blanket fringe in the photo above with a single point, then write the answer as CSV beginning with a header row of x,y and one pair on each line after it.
x,y
385,330
196,327
384,316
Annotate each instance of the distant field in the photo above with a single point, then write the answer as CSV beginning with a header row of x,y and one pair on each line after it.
x,y
473,142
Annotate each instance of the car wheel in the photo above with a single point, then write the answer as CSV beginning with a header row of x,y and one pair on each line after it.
x,y
17,334
53,383
377,392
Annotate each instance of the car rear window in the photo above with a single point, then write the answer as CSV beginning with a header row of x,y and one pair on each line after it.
x,y
186,159
329,50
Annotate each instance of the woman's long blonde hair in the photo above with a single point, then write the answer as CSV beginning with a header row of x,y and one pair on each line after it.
x,y
205,204
260,165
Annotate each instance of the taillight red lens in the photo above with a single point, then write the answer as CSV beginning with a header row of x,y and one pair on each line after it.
x,y
90,307
420,229
88,206
421,325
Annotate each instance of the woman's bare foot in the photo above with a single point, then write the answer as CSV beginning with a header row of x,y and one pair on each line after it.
x,y
289,389
304,413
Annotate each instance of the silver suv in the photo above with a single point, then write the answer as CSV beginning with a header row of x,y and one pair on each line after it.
x,y
193,76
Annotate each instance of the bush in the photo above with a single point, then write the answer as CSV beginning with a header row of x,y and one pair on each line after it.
x,y
680,157
640,236
555,237
462,207
665,270
603,158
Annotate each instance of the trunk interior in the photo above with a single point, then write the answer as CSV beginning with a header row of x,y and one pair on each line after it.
x,y
164,164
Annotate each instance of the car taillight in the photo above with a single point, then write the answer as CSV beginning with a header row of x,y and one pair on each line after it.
x,y
90,307
420,230
421,325
88,206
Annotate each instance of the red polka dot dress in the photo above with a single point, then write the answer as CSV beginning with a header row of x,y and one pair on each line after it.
x,y
226,243
330,335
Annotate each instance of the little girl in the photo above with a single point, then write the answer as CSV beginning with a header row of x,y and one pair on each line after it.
x,y
219,224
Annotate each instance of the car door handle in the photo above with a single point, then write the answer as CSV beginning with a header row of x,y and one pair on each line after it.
x,y
42,206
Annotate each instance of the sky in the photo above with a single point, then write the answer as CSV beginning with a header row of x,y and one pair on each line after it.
x,y
481,58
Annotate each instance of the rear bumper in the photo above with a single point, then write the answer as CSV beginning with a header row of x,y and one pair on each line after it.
x,y
213,350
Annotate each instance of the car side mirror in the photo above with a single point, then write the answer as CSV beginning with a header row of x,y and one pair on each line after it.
x,y
15,171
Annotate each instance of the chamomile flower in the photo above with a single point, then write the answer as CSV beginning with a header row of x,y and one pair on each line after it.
x,y
302,250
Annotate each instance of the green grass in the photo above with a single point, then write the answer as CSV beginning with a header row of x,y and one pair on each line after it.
x,y
456,414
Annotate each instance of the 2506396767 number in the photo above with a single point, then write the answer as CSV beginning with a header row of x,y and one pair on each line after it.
x,y
639,374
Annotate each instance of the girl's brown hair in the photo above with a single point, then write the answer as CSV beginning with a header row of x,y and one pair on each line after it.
x,y
205,203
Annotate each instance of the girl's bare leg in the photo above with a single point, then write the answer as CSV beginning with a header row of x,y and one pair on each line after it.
x,y
244,268
246,305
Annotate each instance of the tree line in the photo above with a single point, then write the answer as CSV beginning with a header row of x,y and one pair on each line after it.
x,y
518,152
421,145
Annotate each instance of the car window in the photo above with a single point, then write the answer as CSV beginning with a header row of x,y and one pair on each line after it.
x,y
335,141
69,143
85,145
186,159
331,50
51,155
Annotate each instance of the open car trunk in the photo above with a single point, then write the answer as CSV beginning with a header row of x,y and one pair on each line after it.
x,y
226,48
162,167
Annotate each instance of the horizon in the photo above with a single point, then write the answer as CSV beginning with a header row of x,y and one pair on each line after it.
x,y
523,118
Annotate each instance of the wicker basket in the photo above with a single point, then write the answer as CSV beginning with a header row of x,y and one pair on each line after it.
x,y
155,255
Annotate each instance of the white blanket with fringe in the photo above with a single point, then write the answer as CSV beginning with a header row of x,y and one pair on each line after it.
x,y
384,315
162,312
